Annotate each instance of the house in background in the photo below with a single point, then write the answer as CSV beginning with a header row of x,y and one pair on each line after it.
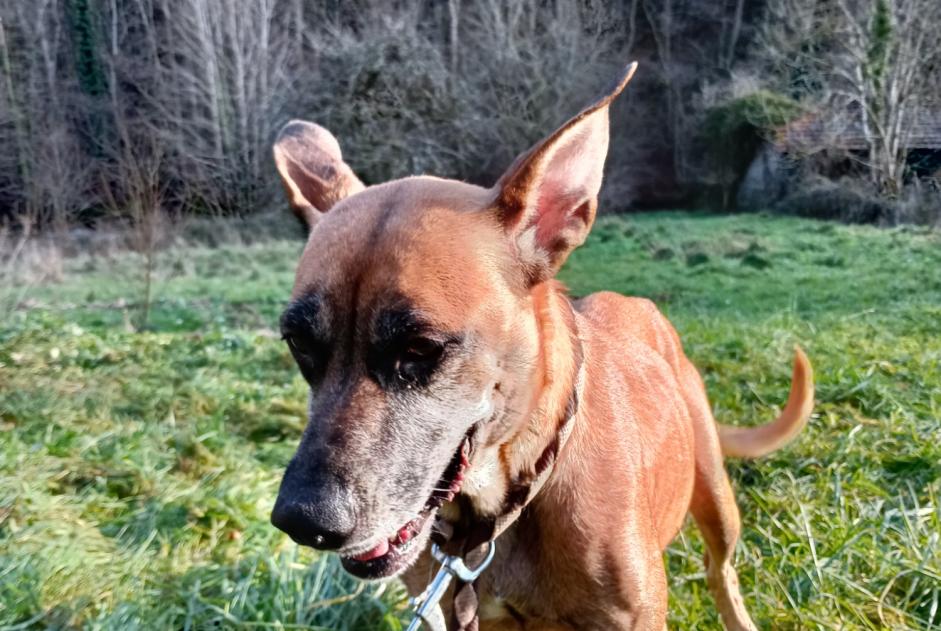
x,y
842,144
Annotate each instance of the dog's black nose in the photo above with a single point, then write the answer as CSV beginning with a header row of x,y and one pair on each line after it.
x,y
320,516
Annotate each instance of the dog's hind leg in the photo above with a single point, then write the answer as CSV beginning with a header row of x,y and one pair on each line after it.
x,y
716,515
714,509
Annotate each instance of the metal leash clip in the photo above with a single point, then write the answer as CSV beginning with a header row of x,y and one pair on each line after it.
x,y
451,566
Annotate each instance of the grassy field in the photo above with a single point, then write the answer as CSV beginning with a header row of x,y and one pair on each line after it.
x,y
137,470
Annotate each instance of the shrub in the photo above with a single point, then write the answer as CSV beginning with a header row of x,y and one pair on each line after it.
x,y
402,102
850,200
920,202
734,131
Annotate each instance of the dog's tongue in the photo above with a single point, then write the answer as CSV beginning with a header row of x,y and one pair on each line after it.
x,y
375,553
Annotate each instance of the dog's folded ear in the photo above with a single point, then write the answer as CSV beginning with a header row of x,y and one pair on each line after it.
x,y
312,169
547,199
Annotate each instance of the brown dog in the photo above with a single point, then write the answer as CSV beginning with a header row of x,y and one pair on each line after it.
x,y
442,357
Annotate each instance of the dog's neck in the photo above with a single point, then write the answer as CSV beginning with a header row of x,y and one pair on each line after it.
x,y
517,453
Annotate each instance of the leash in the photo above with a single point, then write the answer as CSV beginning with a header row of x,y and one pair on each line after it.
x,y
477,545
429,611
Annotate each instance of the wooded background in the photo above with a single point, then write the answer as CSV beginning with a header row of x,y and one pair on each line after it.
x,y
130,107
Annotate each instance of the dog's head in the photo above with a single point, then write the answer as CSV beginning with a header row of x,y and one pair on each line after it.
x,y
412,318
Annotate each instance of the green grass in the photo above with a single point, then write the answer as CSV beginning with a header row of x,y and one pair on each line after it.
x,y
137,470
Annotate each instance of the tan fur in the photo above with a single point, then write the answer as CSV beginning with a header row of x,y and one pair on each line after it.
x,y
587,553
644,436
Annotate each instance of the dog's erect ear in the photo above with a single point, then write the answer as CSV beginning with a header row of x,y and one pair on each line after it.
x,y
312,169
547,199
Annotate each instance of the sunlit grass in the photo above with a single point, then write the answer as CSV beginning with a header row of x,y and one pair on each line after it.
x,y
137,469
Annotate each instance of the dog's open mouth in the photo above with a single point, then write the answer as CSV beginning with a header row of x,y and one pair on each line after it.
x,y
397,552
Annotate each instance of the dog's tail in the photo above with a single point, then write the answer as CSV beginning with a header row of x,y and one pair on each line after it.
x,y
754,442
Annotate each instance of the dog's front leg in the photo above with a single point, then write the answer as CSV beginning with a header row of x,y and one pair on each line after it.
x,y
648,609
640,600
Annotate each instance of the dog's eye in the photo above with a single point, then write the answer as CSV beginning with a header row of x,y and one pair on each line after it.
x,y
417,359
309,355
297,346
421,349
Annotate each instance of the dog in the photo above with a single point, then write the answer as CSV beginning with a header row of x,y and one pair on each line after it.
x,y
453,382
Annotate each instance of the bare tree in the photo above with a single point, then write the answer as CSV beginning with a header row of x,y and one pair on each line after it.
x,y
51,174
870,67
412,86
890,50
136,189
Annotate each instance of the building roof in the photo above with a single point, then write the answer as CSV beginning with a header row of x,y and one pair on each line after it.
x,y
813,132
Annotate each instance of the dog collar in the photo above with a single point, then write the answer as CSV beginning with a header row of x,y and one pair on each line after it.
x,y
473,546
